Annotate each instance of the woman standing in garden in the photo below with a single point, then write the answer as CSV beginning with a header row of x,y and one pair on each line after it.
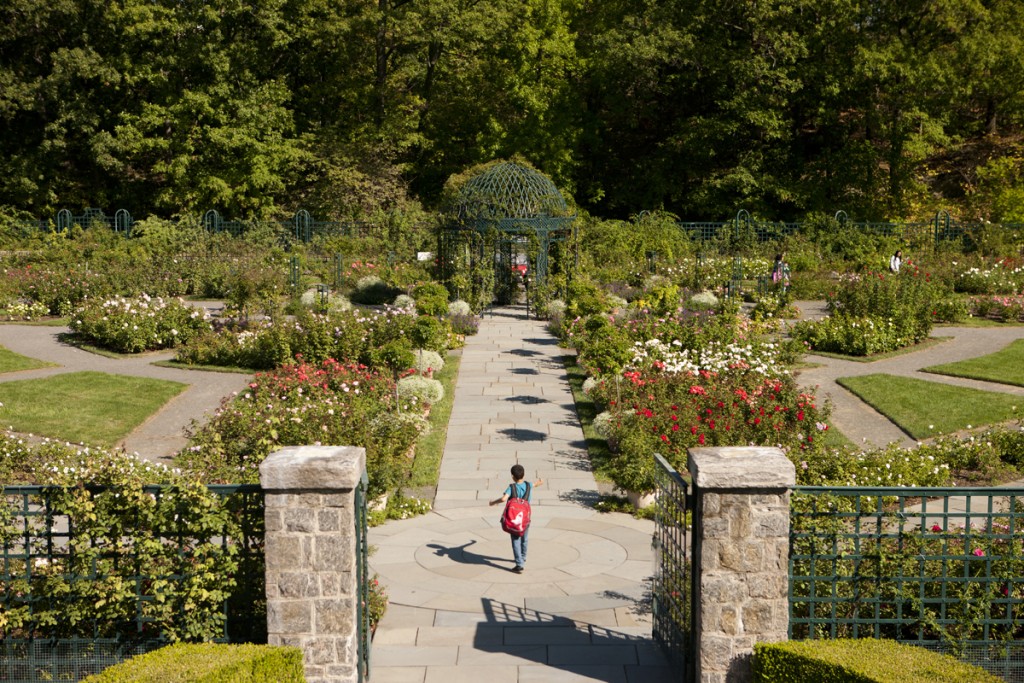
x,y
896,261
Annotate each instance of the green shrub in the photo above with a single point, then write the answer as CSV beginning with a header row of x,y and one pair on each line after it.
x,y
422,389
431,298
459,307
951,310
427,360
133,325
372,291
859,661
122,531
584,299
208,663
430,333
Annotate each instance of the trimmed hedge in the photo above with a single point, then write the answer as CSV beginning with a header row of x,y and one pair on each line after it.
x,y
208,663
859,661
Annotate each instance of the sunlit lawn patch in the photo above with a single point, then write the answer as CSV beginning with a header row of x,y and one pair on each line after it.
x,y
87,407
12,362
1005,366
923,409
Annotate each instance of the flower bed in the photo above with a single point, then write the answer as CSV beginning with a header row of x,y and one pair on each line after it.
x,y
144,323
875,313
1003,308
1003,277
308,403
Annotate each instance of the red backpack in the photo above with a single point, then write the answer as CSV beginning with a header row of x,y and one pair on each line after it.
x,y
516,518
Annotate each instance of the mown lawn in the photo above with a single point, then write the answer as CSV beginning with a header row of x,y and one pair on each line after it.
x,y
13,362
83,407
1005,366
924,409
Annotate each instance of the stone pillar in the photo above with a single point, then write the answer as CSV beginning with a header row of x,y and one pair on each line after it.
x,y
741,556
312,590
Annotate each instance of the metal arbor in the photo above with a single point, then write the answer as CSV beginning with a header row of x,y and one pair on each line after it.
x,y
505,213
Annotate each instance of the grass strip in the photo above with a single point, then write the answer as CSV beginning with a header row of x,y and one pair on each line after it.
x,y
925,409
1005,366
14,362
426,467
587,410
94,408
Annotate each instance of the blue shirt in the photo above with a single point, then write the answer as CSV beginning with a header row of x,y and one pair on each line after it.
x,y
520,491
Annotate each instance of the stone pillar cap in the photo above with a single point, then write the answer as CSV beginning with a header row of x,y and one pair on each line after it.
x,y
332,468
741,467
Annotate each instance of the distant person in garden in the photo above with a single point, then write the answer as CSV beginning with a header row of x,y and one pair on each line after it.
x,y
780,271
518,490
896,261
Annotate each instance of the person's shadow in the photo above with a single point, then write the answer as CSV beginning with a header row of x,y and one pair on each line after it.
x,y
462,555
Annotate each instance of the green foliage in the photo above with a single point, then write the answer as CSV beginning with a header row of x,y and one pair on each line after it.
x,y
209,663
431,298
860,661
305,403
371,290
396,355
874,313
583,299
420,390
430,333
89,588
138,324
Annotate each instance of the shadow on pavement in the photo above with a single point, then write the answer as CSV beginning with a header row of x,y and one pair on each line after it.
x,y
461,554
595,653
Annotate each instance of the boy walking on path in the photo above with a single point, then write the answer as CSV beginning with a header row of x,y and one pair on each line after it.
x,y
519,489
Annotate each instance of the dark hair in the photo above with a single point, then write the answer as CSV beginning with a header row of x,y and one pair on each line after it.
x,y
518,472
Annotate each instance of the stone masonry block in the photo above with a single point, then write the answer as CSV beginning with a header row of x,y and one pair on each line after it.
x,y
715,652
741,467
331,584
772,524
329,520
335,617
758,617
729,622
715,527
712,503
285,553
334,553
273,520
297,585
299,520
722,588
317,468
320,650
766,586
289,617
740,520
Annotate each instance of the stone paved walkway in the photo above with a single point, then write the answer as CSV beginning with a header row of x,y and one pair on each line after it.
x,y
458,612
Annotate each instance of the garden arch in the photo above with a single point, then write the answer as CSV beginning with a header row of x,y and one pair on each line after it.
x,y
502,214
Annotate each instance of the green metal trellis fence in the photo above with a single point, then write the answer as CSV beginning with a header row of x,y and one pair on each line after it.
x,y
936,567
673,590
43,547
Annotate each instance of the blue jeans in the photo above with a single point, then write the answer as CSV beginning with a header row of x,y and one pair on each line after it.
x,y
519,548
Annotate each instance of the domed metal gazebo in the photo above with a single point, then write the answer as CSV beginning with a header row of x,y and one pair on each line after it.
x,y
511,210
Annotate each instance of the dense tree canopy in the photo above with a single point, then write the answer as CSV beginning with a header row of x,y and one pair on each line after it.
x,y
884,108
